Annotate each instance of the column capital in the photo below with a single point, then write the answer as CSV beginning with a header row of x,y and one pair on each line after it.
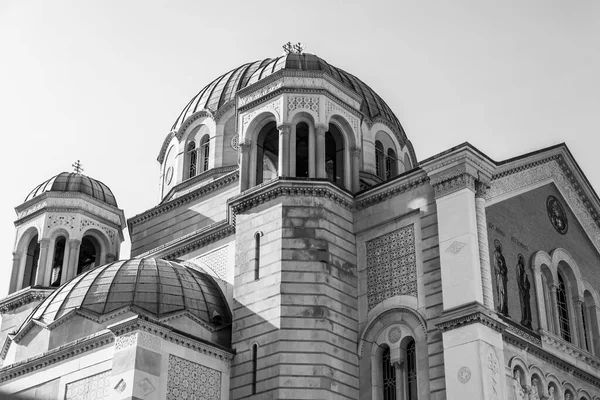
x,y
356,151
481,188
73,243
44,243
284,128
245,145
553,287
321,129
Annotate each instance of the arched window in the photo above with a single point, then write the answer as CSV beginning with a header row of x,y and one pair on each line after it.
x,y
301,150
58,261
204,152
388,376
193,157
31,262
334,155
411,371
89,254
257,256
267,150
254,366
563,309
379,156
391,164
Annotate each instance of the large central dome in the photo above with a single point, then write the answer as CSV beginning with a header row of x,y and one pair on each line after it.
x,y
223,89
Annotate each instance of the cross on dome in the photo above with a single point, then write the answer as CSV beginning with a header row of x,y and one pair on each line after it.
x,y
77,167
290,48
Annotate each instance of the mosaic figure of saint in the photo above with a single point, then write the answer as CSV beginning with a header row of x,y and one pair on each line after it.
x,y
524,292
501,277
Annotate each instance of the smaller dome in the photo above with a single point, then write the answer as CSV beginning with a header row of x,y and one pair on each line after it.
x,y
74,182
156,286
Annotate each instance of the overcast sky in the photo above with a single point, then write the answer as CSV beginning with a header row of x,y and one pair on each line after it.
x,y
103,81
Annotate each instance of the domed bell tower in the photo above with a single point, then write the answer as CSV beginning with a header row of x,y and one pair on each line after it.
x,y
66,226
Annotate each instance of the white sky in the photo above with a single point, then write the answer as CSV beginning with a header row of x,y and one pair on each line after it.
x,y
104,81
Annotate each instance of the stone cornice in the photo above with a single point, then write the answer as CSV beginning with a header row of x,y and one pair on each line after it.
x,y
23,297
56,355
178,202
199,178
288,187
163,148
385,190
570,349
170,334
473,313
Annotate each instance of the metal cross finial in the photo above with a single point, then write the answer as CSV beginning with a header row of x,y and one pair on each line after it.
x,y
77,167
290,48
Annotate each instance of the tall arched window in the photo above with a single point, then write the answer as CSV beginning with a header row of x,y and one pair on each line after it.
x,y
89,254
256,256
254,366
193,157
301,150
390,164
57,261
379,156
31,262
267,151
590,323
411,371
205,152
563,309
334,155
388,376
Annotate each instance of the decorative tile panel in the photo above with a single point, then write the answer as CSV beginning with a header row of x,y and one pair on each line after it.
x,y
189,380
217,261
91,388
309,103
391,266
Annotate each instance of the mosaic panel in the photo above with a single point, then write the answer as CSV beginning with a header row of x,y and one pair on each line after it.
x,y
391,266
216,261
189,380
93,387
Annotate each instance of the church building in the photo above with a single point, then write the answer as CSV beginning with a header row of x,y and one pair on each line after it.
x,y
299,249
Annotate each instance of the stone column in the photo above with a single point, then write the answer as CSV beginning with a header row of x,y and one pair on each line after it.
x,y
484,253
42,269
14,275
354,174
311,151
292,156
284,151
554,300
244,154
71,269
320,151
400,384
579,318
539,294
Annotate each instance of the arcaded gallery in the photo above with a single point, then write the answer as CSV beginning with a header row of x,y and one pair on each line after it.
x,y
299,249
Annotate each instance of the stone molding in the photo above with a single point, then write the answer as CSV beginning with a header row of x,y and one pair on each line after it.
x,y
516,330
473,313
23,297
165,145
570,349
189,120
452,181
198,178
390,189
140,323
56,355
199,239
178,202
287,187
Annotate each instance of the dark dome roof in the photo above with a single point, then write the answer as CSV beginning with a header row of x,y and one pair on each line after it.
x,y
73,182
156,286
223,89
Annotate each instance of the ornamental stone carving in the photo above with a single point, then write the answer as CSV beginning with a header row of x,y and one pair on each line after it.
x,y
260,93
91,387
216,261
67,221
303,102
274,106
189,380
85,223
332,108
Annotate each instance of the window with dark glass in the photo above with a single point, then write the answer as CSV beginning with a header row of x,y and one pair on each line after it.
x,y
411,370
256,256
89,254
205,152
389,375
57,261
585,329
31,262
193,155
563,309
254,366
379,156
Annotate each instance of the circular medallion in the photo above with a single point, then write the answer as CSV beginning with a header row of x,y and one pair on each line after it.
x,y
394,335
169,176
235,142
464,374
557,215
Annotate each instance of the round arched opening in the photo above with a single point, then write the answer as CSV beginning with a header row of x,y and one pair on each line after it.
x,y
334,155
58,261
267,152
31,262
89,254
302,150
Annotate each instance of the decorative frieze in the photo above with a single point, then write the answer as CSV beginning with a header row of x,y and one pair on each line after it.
x,y
303,102
93,387
85,223
391,266
453,180
332,108
260,93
